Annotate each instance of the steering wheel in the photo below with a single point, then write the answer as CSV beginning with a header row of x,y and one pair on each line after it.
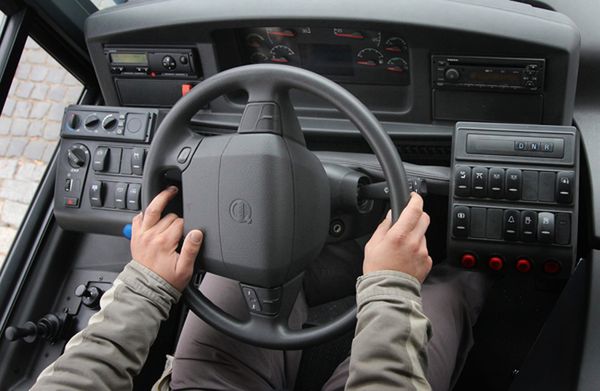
x,y
260,196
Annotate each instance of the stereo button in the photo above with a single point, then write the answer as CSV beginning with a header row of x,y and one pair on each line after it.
x,y
452,74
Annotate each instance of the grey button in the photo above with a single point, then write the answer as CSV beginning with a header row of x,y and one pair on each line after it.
x,y
120,195
133,196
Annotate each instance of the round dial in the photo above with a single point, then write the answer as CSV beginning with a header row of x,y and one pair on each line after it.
x,y
369,57
397,65
109,122
169,63
281,54
91,122
277,34
77,155
255,40
395,45
258,57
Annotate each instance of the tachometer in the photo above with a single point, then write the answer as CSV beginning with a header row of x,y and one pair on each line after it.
x,y
369,57
281,54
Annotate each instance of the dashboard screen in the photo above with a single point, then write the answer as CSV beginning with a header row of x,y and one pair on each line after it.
x,y
129,58
326,59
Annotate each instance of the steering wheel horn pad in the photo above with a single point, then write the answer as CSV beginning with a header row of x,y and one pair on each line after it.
x,y
260,196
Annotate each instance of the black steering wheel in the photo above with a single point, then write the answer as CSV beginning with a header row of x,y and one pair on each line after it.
x,y
260,196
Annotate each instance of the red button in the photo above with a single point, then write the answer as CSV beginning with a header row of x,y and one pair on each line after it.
x,y
496,263
523,265
185,89
552,267
468,261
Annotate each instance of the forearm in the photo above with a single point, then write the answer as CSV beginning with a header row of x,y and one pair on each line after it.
x,y
388,350
112,349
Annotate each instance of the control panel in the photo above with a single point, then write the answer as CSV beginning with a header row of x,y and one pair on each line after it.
x,y
99,172
513,198
152,62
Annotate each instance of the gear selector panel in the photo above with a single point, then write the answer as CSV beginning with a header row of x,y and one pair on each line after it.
x,y
514,198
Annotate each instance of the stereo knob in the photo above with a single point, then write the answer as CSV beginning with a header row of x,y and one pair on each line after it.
x,y
169,63
77,155
109,122
92,122
451,74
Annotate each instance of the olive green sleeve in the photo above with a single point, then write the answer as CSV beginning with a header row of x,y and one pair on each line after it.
x,y
388,350
112,349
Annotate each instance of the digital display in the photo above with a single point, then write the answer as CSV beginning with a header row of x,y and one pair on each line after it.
x,y
129,58
495,76
333,60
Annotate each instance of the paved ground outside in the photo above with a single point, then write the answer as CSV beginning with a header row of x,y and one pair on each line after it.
x,y
29,132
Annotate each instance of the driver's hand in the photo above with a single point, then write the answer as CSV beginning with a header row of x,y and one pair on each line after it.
x,y
154,242
401,247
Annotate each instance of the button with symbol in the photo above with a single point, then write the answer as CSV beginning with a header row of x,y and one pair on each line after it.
x,y
547,147
496,187
520,146
564,187
529,226
546,227
533,146
511,224
462,181
513,184
460,226
96,194
479,181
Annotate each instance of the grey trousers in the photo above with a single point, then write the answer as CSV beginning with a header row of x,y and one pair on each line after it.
x,y
208,360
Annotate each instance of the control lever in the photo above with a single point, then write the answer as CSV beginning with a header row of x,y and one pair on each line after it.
x,y
50,328
90,297
381,191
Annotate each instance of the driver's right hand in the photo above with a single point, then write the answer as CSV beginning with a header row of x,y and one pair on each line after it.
x,y
402,246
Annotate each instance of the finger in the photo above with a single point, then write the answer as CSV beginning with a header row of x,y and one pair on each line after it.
x,y
174,232
421,227
383,227
157,206
136,224
409,217
189,251
164,223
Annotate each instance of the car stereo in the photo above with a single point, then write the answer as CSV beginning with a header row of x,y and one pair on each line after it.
x,y
488,73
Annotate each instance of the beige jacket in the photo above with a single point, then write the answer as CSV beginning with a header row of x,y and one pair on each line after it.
x,y
388,351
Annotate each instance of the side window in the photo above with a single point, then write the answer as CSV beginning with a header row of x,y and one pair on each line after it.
x,y
29,132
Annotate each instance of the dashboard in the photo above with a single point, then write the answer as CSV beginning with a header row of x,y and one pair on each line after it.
x,y
342,54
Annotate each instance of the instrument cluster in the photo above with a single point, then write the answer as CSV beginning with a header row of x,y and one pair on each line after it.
x,y
342,54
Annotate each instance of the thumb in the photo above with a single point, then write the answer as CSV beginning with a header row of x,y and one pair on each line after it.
x,y
189,251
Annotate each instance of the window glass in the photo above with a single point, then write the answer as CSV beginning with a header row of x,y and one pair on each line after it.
x,y
29,132
101,4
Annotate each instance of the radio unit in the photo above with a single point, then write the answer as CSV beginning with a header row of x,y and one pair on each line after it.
x,y
488,73
152,63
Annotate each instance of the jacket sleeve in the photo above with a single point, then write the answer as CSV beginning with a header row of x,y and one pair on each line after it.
x,y
112,349
388,350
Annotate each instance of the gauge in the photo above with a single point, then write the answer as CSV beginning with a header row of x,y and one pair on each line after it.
x,y
395,45
255,40
276,34
281,54
348,33
396,64
369,57
258,57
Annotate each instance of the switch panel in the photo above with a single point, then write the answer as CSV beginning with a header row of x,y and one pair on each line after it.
x,y
514,197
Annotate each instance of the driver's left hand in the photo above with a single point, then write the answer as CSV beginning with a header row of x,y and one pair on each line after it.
x,y
154,242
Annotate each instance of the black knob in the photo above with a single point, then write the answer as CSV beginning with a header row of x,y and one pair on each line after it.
x,y
27,332
452,74
169,63
91,296
77,156
92,122
109,122
73,121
